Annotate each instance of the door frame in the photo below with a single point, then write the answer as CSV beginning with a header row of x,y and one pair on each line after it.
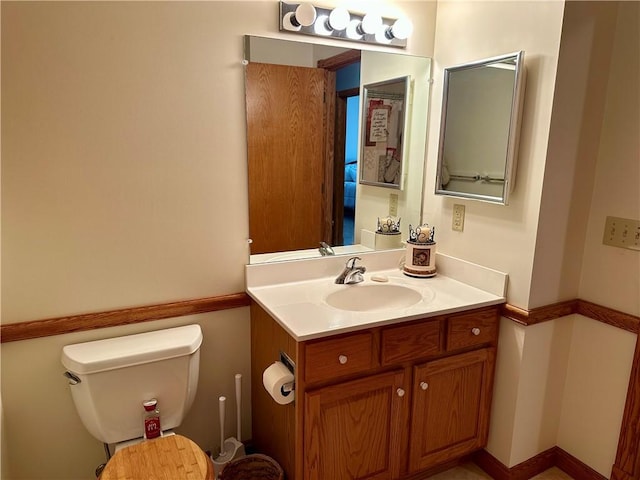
x,y
336,109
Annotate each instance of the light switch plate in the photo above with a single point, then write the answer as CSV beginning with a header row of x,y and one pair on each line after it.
x,y
457,223
393,204
622,232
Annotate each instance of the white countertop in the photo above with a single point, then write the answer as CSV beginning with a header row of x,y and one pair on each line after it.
x,y
306,254
299,305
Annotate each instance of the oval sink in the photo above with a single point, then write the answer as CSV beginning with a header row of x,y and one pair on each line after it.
x,y
370,298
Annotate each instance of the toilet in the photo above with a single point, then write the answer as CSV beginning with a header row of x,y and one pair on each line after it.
x,y
109,381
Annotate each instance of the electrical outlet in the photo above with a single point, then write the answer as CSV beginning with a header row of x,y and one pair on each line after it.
x,y
393,204
622,232
457,223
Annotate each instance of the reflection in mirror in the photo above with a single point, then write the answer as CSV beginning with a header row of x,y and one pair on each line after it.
x,y
383,122
481,111
303,153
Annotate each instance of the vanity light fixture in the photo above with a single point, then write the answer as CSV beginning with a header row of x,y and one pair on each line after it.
x,y
340,23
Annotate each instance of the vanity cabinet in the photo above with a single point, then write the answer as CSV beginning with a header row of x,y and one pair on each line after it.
x,y
450,408
389,402
354,429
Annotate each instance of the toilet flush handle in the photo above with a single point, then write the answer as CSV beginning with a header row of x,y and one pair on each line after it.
x,y
73,379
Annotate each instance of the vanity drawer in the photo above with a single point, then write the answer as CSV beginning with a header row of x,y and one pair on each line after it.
x,y
326,359
408,342
470,329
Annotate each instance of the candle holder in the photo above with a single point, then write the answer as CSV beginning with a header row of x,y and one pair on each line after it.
x,y
420,258
388,226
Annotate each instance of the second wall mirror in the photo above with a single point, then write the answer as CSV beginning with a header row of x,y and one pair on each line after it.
x,y
481,109
384,118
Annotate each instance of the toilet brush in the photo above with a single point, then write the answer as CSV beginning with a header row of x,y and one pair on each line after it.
x,y
238,446
231,448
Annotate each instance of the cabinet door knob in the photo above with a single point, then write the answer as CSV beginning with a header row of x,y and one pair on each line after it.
x,y
424,385
342,359
475,331
400,392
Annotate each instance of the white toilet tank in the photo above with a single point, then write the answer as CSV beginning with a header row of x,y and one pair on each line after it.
x,y
114,376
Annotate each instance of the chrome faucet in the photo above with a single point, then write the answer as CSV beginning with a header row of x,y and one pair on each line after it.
x,y
351,274
326,249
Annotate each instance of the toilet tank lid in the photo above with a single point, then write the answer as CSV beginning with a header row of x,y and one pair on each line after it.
x,y
112,353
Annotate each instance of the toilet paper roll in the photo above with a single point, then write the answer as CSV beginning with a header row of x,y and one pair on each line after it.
x,y
278,382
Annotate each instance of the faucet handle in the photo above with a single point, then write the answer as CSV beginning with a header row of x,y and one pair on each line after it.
x,y
326,249
357,276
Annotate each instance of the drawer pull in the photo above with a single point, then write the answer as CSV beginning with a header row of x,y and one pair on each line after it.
x,y
475,331
400,392
342,359
424,385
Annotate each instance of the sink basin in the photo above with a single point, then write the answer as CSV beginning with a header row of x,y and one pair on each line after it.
x,y
371,298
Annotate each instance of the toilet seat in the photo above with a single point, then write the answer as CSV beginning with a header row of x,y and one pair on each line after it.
x,y
171,457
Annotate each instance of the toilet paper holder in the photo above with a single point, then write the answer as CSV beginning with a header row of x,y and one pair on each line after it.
x,y
291,366
288,387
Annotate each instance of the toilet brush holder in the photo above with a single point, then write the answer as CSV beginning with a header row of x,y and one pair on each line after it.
x,y
232,449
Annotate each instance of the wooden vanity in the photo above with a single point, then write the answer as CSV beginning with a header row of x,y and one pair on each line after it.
x,y
386,402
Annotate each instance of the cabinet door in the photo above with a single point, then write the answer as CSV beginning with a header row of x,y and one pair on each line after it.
x,y
451,402
356,429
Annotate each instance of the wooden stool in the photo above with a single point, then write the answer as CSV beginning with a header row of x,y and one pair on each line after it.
x,y
173,457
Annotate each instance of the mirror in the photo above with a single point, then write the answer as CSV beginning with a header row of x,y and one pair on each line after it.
x,y
295,201
481,109
383,122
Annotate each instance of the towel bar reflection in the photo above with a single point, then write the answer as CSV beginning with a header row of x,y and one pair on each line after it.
x,y
476,178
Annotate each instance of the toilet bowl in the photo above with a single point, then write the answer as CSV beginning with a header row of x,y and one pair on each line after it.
x,y
110,380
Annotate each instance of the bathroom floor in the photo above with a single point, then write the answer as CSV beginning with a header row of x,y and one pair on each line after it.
x,y
470,471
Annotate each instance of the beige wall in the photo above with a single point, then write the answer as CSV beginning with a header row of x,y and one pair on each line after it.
x,y
497,236
124,184
610,276
598,369
600,361
4,450
539,390
578,163
580,92
592,171
120,154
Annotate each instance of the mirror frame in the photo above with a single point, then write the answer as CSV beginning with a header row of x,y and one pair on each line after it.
x,y
517,97
373,91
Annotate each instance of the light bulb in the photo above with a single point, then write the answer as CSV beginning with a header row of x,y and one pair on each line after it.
x,y
352,30
401,29
339,18
370,24
382,35
304,16
320,27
